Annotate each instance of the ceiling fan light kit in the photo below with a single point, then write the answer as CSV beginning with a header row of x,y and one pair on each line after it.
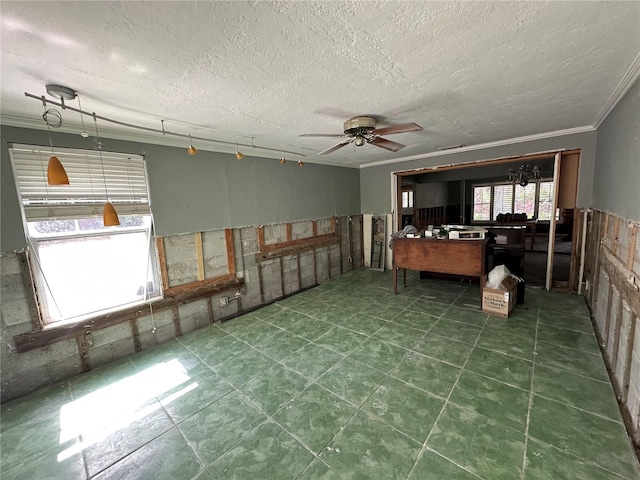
x,y
362,129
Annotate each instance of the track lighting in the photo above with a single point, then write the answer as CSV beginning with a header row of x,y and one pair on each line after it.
x,y
239,154
191,150
282,159
300,163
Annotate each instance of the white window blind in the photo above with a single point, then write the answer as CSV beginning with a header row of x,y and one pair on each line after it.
x,y
502,199
86,194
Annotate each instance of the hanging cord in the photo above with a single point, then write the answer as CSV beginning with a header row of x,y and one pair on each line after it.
x,y
99,147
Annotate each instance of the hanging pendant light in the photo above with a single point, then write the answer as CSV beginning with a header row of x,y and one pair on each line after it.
x,y
191,150
282,159
109,214
239,154
56,174
300,163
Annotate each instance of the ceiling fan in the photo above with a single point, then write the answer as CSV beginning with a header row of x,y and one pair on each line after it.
x,y
362,129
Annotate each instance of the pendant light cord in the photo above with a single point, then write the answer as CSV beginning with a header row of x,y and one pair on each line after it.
x,y
99,147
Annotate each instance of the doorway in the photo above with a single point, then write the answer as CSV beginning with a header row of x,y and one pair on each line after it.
x,y
479,194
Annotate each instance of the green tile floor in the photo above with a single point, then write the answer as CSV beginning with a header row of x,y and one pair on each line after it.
x,y
342,381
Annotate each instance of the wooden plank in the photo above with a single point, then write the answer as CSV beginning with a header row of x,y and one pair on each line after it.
x,y
32,340
176,320
616,336
231,254
631,252
299,273
186,287
163,263
199,255
297,246
210,311
576,239
32,295
616,236
552,223
281,277
260,283
314,228
607,320
484,163
289,232
626,380
597,242
261,244
136,334
315,267
83,350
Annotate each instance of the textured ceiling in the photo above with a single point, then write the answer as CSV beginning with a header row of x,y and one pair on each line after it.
x,y
468,73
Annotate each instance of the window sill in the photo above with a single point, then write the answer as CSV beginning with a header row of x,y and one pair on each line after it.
x,y
57,332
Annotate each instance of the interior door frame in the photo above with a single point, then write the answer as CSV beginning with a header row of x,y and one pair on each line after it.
x,y
396,190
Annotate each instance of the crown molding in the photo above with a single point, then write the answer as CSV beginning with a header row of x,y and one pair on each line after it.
x,y
628,80
483,146
167,141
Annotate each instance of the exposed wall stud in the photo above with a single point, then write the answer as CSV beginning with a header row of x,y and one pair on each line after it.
x,y
231,254
616,235
176,320
199,255
136,335
163,263
210,311
631,252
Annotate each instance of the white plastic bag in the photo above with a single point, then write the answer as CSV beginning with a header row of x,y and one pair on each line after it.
x,y
496,276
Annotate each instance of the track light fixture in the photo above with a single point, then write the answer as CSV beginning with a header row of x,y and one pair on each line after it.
x,y
300,163
239,154
191,150
282,159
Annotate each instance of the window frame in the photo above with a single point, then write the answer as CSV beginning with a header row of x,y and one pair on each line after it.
x,y
44,301
513,199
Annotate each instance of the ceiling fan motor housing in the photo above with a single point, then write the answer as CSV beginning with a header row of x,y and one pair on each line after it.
x,y
359,126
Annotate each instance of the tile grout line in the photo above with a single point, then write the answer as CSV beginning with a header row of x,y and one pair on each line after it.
x,y
533,373
462,369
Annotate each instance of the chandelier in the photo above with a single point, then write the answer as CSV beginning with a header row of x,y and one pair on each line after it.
x,y
523,175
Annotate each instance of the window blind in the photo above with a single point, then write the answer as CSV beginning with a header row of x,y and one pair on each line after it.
x,y
124,175
502,199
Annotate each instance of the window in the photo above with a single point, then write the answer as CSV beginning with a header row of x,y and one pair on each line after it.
x,y
525,200
81,268
545,201
534,199
502,200
407,199
482,203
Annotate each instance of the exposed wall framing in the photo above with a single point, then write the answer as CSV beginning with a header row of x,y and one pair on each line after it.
x,y
612,272
197,270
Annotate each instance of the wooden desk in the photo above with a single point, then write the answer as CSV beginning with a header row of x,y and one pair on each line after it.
x,y
457,257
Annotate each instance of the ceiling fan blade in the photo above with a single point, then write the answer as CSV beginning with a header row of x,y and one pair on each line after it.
x,y
386,144
322,135
401,128
336,147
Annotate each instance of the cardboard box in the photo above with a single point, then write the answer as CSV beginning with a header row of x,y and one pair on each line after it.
x,y
499,302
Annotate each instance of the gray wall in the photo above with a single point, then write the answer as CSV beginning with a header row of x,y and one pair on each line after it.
x,y
616,187
208,191
375,182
